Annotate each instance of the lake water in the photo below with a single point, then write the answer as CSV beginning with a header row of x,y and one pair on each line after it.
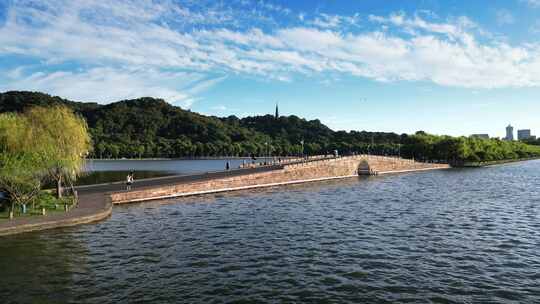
x,y
453,236
104,171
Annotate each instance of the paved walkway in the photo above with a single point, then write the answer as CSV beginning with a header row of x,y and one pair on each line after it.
x,y
95,205
91,208
178,179
171,180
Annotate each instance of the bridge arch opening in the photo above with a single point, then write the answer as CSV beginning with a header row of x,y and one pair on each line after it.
x,y
364,168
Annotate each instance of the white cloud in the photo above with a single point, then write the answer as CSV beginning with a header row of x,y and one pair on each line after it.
x,y
274,7
533,3
504,17
451,29
141,48
327,21
303,38
110,84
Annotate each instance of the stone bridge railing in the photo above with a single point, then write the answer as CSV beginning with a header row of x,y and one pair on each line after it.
x,y
364,164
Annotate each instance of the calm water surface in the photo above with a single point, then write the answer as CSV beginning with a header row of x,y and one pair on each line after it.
x,y
104,171
456,236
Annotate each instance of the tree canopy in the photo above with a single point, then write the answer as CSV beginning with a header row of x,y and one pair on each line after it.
x,y
67,141
40,144
149,127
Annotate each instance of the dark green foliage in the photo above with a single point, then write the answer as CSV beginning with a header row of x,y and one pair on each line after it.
x,y
17,101
290,128
532,141
148,127
43,200
50,202
463,150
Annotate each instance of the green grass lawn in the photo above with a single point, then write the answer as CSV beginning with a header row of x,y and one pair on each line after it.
x,y
45,200
4,215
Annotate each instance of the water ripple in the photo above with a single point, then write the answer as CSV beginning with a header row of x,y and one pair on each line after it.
x,y
458,236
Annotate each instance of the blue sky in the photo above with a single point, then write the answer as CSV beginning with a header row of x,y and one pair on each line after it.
x,y
445,67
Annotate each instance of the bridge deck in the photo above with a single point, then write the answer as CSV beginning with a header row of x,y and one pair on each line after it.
x,y
171,180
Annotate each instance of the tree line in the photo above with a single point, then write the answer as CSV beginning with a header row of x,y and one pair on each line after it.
x,y
462,150
152,128
148,127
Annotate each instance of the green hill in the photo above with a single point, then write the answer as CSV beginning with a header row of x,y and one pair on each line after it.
x,y
149,127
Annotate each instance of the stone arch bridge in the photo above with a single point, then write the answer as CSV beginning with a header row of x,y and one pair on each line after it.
x,y
95,201
292,172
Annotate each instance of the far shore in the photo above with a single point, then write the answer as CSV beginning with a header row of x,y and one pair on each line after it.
x,y
496,162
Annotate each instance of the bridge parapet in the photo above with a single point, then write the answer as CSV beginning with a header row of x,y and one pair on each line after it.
x,y
364,164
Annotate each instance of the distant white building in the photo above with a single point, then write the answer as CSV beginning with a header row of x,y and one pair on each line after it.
x,y
524,134
509,133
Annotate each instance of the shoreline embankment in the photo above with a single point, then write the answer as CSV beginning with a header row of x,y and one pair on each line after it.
x,y
493,163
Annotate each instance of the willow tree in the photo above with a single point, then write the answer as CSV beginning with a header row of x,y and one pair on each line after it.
x,y
67,142
22,166
20,179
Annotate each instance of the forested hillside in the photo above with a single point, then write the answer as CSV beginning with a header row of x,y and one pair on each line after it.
x,y
149,127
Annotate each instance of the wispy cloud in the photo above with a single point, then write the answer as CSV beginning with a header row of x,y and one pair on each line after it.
x,y
504,17
139,47
327,21
535,28
111,84
533,3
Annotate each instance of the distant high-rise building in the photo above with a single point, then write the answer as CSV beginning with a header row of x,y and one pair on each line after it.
x,y
483,136
509,133
524,134
277,111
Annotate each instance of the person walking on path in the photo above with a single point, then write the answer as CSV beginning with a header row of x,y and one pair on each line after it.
x,y
227,166
129,180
